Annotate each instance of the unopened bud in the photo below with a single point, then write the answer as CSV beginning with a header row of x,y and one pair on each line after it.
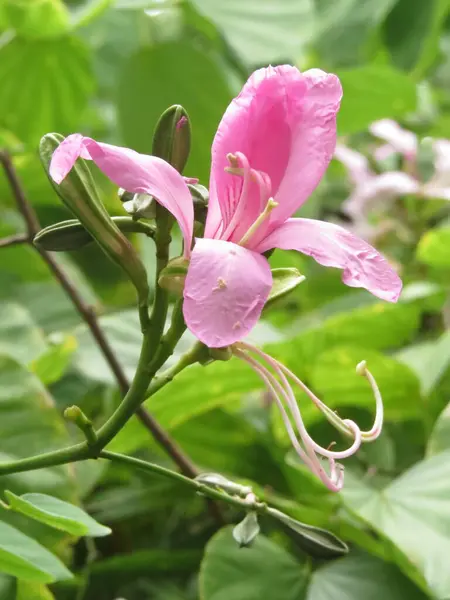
x,y
79,194
71,235
140,206
173,276
78,418
223,354
217,480
361,368
172,137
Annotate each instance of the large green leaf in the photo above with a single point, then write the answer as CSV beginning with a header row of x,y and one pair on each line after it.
x,y
412,31
429,361
172,73
373,92
439,440
262,31
56,513
45,86
19,336
344,27
23,557
262,571
361,576
30,424
432,249
413,512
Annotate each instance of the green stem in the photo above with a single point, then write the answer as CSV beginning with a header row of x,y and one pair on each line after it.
x,y
197,486
105,434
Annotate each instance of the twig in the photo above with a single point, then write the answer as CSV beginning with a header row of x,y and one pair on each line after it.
x,y
13,240
88,315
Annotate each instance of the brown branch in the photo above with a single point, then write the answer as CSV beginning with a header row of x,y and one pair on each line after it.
x,y
13,240
87,314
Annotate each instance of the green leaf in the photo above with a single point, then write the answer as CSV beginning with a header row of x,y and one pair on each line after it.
x,y
56,513
39,19
429,361
371,93
247,530
24,558
413,513
262,31
30,424
19,336
284,281
361,576
52,364
412,32
31,591
315,541
45,86
344,27
433,246
439,440
262,571
149,84
7,587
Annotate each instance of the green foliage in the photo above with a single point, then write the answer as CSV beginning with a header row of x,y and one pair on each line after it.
x,y
23,557
56,513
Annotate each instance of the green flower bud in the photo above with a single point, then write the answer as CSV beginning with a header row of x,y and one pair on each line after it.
x,y
79,194
71,235
173,276
172,137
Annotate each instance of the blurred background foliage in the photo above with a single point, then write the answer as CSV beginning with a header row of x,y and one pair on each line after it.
x,y
108,68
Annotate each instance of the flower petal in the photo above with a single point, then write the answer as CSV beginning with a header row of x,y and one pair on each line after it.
x,y
400,139
134,172
259,124
313,143
332,246
225,291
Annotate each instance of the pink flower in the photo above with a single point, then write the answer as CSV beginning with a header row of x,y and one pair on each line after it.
x,y
372,190
270,151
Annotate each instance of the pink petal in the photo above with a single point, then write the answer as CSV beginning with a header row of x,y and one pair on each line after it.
x,y
313,143
332,246
356,164
259,124
137,173
400,139
225,291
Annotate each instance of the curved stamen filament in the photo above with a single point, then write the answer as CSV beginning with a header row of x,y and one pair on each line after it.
x,y
271,204
295,411
335,480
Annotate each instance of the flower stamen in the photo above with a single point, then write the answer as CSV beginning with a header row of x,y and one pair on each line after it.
x,y
271,204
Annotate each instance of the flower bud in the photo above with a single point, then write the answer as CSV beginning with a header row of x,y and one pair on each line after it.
x,y
173,276
78,418
79,194
172,137
247,530
71,235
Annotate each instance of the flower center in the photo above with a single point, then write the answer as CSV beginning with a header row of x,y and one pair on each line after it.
x,y
239,166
